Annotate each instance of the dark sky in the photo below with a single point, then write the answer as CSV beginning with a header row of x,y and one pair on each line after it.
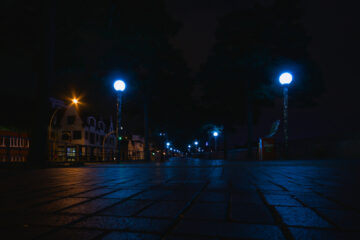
x,y
333,27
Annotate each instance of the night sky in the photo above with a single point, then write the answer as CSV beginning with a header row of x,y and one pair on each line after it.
x,y
334,31
333,27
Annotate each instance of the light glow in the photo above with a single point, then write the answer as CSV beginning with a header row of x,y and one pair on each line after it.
x,y
75,101
119,85
285,78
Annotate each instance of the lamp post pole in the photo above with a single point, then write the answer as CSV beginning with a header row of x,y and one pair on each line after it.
x,y
118,125
286,137
119,87
215,134
285,79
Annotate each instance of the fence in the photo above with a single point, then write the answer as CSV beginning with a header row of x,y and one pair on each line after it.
x,y
65,152
14,148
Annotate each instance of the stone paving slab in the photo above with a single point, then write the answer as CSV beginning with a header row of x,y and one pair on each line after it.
x,y
137,224
130,236
127,209
73,234
183,199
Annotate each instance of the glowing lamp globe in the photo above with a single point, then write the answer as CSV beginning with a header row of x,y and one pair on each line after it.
x,y
196,142
215,134
285,78
119,85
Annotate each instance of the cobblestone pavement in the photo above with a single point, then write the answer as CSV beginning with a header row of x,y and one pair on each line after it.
x,y
183,199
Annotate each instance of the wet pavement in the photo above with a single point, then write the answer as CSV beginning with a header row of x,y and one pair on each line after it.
x,y
183,199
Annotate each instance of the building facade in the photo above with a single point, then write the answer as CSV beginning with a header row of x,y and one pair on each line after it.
x,y
85,137
90,138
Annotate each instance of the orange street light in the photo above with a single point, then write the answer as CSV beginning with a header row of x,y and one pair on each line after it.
x,y
75,101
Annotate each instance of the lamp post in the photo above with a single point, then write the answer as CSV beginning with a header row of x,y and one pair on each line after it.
x,y
285,79
73,101
119,86
196,143
167,148
163,138
215,134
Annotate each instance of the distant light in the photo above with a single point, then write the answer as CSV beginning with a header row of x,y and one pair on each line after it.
x,y
167,144
153,154
170,149
120,138
196,143
119,85
75,101
189,146
206,144
215,134
285,78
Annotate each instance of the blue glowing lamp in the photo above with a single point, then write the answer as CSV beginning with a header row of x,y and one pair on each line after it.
x,y
119,85
167,144
196,143
215,134
285,78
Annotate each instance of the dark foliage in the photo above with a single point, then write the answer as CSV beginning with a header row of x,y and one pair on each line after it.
x,y
253,47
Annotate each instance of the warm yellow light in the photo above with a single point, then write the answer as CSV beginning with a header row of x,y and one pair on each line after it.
x,y
75,101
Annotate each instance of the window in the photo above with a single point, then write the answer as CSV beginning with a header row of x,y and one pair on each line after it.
x,y
66,135
76,134
70,119
71,152
86,135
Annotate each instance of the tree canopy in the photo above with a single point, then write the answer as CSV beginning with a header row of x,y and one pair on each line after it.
x,y
253,46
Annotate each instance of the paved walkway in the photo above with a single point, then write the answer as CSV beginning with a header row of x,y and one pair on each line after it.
x,y
183,199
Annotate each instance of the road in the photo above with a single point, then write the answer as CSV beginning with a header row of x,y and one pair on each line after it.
x,y
183,199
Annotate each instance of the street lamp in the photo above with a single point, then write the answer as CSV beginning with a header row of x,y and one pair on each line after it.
x,y
215,134
75,101
119,86
196,143
285,79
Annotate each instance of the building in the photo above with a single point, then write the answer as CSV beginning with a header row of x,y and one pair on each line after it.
x,y
75,136
136,147
85,137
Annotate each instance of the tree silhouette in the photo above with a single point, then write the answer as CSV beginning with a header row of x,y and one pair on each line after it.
x,y
252,47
